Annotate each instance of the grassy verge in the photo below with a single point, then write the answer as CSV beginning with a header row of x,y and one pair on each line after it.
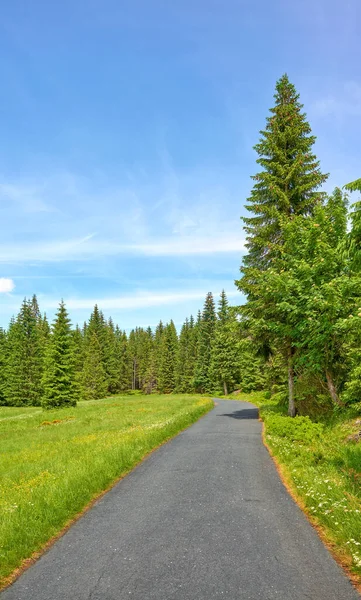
x,y
52,464
323,470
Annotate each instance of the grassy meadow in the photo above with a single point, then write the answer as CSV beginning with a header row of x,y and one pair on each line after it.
x,y
53,463
323,469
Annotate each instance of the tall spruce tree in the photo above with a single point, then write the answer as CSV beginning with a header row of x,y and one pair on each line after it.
x,y
123,361
224,363
24,362
186,357
286,186
168,359
59,367
78,345
157,350
2,367
93,379
111,357
206,327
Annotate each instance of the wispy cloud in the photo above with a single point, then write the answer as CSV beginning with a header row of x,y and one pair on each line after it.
x,y
6,285
28,197
139,300
91,248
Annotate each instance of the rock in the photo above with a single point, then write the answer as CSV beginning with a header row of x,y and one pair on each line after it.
x,y
354,437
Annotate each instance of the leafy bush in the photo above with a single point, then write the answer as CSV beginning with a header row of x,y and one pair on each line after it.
x,y
299,429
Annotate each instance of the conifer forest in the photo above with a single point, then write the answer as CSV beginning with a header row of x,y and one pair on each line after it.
x,y
297,335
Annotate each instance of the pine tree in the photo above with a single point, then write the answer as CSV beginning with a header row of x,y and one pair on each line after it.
x,y
124,361
224,363
133,347
187,357
78,345
168,360
2,367
206,327
93,376
59,373
24,363
111,358
285,188
157,351
289,180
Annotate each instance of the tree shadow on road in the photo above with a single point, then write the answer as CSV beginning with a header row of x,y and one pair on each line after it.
x,y
246,413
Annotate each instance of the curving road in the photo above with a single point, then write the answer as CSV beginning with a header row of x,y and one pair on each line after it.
x,y
204,517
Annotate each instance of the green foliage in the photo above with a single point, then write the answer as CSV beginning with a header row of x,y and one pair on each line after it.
x,y
59,377
123,361
224,352
2,367
300,429
187,356
205,329
168,360
250,366
24,360
93,380
287,185
285,194
354,186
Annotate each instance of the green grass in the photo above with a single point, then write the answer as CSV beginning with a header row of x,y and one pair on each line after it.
x,y
53,463
323,469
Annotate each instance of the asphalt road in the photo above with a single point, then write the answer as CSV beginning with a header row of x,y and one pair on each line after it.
x,y
204,517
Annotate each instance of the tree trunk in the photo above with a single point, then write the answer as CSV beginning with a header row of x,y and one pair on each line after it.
x,y
332,389
291,383
225,388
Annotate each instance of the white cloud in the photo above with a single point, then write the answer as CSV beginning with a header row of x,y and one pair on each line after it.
x,y
139,300
28,197
6,285
91,248
188,245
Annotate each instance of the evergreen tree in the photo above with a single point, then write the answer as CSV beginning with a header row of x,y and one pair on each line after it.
x,y
35,308
123,361
168,360
24,366
150,381
134,353
285,188
93,376
157,351
206,327
186,357
78,345
224,355
111,358
59,376
2,367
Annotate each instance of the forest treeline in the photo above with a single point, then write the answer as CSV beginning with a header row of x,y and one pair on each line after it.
x,y
55,366
298,335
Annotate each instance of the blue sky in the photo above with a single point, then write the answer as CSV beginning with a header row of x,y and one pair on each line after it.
x,y
126,134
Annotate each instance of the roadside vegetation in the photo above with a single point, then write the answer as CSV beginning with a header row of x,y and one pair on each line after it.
x,y
53,464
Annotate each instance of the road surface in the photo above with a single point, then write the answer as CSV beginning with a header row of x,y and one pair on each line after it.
x,y
204,517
